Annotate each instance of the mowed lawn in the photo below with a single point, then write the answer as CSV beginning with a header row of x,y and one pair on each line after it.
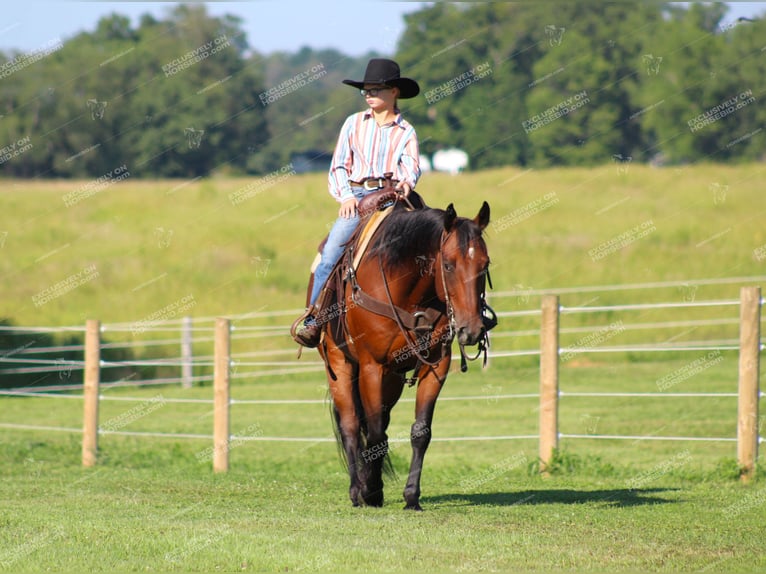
x,y
154,504
138,248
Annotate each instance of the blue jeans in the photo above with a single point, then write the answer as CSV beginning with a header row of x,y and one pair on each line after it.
x,y
341,231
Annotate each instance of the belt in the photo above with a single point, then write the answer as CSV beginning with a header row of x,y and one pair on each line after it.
x,y
371,183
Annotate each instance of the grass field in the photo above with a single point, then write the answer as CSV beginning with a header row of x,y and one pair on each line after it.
x,y
155,242
154,504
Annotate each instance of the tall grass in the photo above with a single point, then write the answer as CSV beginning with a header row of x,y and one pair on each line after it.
x,y
154,243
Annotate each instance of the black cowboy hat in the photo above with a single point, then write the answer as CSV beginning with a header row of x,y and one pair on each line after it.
x,y
383,71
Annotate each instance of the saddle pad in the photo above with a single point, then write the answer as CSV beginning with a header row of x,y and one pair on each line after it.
x,y
316,262
369,230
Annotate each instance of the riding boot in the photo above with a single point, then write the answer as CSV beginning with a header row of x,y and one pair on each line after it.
x,y
306,330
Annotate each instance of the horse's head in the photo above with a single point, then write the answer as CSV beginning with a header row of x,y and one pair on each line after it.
x,y
463,273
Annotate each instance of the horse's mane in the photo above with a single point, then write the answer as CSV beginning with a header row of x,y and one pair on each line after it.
x,y
405,235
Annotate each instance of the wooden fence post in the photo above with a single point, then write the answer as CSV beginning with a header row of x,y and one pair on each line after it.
x,y
91,380
186,352
221,396
749,391
549,380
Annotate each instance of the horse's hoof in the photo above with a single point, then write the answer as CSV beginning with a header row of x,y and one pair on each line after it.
x,y
356,498
375,500
416,507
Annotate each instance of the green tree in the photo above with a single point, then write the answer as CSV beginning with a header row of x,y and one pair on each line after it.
x,y
304,102
674,92
582,95
744,59
171,98
510,83
738,84
539,57
469,80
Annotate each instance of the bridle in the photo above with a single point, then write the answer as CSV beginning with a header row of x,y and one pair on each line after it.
x,y
425,321
488,315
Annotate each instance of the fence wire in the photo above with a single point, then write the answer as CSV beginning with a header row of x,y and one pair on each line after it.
x,y
242,332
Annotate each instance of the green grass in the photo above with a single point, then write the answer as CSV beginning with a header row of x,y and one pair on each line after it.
x,y
154,504
155,242
279,517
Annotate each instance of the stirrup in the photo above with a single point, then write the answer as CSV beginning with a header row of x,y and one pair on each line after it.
x,y
306,335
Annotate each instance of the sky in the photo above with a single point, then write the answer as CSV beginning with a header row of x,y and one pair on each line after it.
x,y
271,26
353,27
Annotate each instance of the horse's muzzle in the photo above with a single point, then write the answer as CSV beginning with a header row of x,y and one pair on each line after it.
x,y
475,331
468,336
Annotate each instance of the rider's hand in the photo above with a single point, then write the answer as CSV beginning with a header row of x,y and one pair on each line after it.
x,y
348,208
403,187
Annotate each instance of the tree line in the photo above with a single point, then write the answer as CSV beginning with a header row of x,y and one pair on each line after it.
x,y
530,84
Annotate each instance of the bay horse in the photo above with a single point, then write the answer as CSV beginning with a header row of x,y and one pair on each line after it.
x,y
420,284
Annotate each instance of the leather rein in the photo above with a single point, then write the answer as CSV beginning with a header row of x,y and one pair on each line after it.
x,y
425,321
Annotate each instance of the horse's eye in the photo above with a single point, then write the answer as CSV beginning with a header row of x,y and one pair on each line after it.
x,y
449,267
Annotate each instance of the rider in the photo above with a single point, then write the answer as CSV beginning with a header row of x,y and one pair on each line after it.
x,y
371,143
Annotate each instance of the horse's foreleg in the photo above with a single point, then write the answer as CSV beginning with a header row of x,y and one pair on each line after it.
x,y
420,435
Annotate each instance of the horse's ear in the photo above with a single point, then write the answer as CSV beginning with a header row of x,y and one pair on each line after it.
x,y
450,215
482,219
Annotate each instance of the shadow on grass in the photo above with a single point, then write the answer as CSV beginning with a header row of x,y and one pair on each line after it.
x,y
622,497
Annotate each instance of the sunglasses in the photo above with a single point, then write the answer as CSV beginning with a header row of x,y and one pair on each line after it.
x,y
373,92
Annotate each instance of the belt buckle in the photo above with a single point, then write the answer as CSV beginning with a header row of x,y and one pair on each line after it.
x,y
377,182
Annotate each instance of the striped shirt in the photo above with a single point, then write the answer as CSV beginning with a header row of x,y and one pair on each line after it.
x,y
365,149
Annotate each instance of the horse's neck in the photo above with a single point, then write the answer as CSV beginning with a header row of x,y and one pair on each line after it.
x,y
414,285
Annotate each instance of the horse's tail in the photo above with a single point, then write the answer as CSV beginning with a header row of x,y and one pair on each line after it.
x,y
335,416
388,467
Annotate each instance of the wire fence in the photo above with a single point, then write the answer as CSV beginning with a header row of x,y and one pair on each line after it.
x,y
253,361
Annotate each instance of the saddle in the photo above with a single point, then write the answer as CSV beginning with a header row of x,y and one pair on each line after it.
x,y
372,209
376,201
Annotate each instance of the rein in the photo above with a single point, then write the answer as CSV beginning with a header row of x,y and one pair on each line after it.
x,y
425,321
413,344
418,321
